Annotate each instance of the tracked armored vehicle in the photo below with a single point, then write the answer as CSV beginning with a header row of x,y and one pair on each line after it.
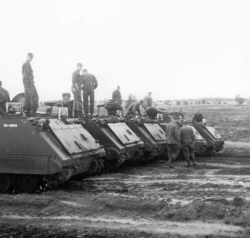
x,y
33,151
214,140
149,130
119,141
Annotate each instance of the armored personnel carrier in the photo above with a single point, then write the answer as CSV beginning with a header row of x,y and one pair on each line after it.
x,y
149,130
33,151
120,142
111,131
214,140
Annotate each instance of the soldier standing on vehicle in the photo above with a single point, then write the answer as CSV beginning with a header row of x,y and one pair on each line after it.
x,y
187,139
4,97
173,139
134,109
197,117
89,85
31,95
117,98
181,114
77,90
147,101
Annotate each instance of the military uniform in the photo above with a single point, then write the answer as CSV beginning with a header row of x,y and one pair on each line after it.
x,y
133,108
147,102
89,85
187,139
116,96
76,90
31,95
172,140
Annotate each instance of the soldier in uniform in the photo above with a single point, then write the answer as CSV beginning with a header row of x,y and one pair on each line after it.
x,y
134,109
181,114
117,98
187,139
147,101
89,85
173,139
4,97
77,90
31,95
197,117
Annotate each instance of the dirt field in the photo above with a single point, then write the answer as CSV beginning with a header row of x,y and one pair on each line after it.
x,y
152,200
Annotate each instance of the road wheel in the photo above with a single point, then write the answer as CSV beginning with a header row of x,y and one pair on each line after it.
x,y
5,182
25,183
92,167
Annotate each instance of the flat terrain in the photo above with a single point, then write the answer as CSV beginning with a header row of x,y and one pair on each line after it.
x,y
151,200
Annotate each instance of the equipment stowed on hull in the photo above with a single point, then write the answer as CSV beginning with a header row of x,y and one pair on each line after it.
x,y
32,151
212,137
152,135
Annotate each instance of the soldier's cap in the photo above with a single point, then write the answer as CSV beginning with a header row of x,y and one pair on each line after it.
x,y
185,122
141,101
31,55
175,115
79,64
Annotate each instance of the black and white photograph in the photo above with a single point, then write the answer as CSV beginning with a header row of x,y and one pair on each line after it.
x,y
124,119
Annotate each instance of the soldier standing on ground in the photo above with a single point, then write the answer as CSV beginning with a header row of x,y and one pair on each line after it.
x,y
89,85
4,97
147,101
173,139
117,98
134,109
187,138
31,95
197,117
77,90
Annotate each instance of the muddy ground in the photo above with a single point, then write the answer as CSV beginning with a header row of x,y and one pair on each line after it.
x,y
151,200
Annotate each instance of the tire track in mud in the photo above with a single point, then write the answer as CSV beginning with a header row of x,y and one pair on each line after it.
x,y
183,184
152,199
140,224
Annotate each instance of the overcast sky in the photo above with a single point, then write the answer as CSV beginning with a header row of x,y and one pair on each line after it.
x,y
175,49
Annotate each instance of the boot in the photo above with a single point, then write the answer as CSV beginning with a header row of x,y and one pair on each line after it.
x,y
194,163
188,163
169,163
